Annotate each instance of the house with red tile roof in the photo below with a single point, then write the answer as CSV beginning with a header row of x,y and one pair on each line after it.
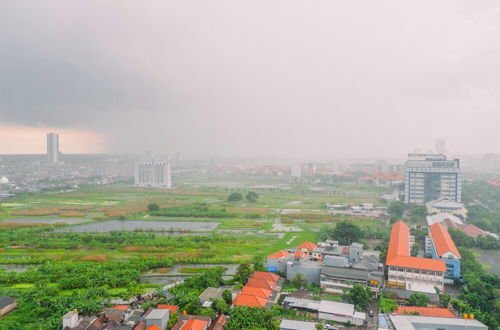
x,y
260,283
425,311
250,301
268,276
307,247
440,245
276,262
259,292
172,308
411,273
195,324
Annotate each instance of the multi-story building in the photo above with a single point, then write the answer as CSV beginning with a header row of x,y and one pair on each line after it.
x,y
153,174
440,245
411,273
53,148
431,176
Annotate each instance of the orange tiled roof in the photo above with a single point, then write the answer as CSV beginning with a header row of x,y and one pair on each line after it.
x,y
398,253
195,324
250,301
279,255
309,246
153,327
299,254
442,240
495,182
120,307
258,292
266,276
260,283
425,311
172,308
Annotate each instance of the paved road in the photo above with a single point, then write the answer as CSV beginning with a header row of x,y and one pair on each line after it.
x,y
372,321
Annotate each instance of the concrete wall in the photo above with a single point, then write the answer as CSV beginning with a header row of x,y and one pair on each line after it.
x,y
311,272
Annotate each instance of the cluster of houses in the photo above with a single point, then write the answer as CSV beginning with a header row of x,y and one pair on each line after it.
x,y
336,268
125,317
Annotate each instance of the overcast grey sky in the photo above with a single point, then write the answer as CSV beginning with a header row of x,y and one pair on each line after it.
x,y
255,78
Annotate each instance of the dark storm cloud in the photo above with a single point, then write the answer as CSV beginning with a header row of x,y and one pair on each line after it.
x,y
302,78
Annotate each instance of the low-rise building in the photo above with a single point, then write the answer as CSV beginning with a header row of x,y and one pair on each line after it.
x,y
339,279
440,245
326,310
340,312
411,273
158,317
446,205
416,322
297,325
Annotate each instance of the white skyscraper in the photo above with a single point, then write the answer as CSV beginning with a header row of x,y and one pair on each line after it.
x,y
53,148
155,174
296,171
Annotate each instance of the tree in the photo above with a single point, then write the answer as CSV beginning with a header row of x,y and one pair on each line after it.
x,y
396,209
418,299
227,296
242,317
153,207
346,233
243,273
235,197
414,249
252,196
220,306
359,295
299,281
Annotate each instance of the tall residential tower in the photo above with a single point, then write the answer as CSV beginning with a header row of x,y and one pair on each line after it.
x,y
153,174
431,176
53,148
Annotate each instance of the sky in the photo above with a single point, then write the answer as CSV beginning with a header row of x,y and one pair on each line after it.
x,y
260,78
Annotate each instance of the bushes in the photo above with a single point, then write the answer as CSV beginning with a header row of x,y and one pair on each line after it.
x,y
192,210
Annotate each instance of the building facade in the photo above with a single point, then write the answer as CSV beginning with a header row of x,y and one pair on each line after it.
x,y
153,174
431,176
53,148
411,273
440,245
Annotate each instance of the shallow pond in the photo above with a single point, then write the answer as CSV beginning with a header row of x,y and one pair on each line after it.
x,y
131,225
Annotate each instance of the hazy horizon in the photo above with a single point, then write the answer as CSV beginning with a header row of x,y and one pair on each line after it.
x,y
269,79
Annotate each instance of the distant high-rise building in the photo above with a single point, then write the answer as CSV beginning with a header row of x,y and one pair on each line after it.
x,y
155,174
53,148
296,171
431,176
440,146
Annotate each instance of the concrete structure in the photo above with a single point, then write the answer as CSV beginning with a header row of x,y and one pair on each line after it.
x,y
53,148
158,317
443,218
445,205
340,312
415,322
339,279
431,176
70,319
440,245
297,325
411,273
154,174
329,265
7,304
